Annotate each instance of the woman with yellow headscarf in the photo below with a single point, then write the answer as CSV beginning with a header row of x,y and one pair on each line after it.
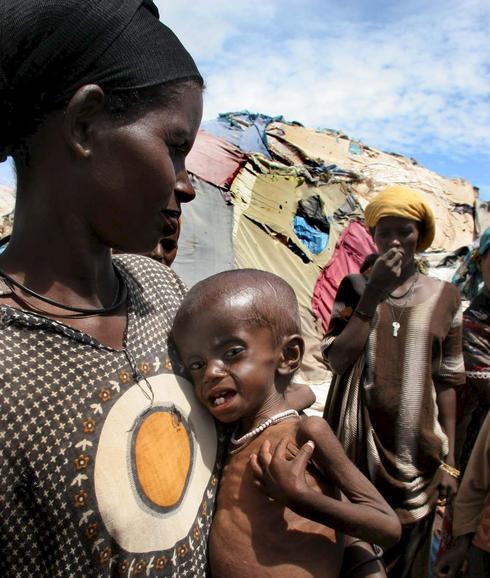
x,y
394,346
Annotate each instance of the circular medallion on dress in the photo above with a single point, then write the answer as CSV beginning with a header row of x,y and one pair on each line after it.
x,y
162,455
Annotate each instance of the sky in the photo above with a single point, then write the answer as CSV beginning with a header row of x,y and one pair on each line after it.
x,y
409,76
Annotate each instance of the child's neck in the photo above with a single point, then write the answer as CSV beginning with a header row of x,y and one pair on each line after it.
x,y
272,406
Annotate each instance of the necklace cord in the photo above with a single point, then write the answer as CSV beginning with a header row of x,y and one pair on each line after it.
x,y
409,294
391,296
120,296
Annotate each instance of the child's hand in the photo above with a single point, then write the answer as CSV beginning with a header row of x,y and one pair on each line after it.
x,y
281,478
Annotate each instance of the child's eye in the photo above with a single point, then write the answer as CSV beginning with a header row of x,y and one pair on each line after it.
x,y
233,352
195,365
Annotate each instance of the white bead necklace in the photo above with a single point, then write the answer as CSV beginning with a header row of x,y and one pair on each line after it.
x,y
265,424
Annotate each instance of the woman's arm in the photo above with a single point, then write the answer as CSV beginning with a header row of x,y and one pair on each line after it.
x,y
449,375
365,515
446,405
350,342
348,345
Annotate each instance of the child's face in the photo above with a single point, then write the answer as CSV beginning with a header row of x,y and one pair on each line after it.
x,y
232,362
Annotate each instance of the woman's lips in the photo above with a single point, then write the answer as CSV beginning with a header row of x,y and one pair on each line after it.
x,y
169,243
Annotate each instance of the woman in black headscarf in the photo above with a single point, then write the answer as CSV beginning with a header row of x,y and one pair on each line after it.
x,y
108,467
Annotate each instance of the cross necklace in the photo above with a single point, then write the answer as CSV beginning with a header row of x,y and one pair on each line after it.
x,y
409,294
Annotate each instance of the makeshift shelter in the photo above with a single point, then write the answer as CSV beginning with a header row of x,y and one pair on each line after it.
x,y
7,203
280,197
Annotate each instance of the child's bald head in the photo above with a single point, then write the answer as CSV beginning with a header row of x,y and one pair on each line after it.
x,y
260,297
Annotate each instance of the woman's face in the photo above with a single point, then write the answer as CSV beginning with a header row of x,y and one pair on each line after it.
x,y
399,233
139,178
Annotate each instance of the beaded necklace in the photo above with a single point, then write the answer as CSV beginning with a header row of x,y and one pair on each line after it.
x,y
265,424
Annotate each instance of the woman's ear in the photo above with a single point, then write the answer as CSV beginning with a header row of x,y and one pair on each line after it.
x,y
84,108
293,348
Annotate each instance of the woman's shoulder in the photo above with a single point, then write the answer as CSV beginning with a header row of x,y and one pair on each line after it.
x,y
444,289
452,294
140,264
148,273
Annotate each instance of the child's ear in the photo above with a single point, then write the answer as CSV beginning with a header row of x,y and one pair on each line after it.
x,y
293,348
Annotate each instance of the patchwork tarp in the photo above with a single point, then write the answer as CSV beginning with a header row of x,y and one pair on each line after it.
x,y
452,200
257,248
265,197
205,243
214,159
268,193
295,206
243,129
354,245
7,203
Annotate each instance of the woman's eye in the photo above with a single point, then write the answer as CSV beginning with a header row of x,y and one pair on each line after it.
x,y
195,366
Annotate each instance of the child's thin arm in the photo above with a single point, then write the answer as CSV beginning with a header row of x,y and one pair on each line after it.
x,y
366,515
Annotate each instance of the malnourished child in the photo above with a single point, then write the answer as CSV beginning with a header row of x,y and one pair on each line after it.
x,y
288,492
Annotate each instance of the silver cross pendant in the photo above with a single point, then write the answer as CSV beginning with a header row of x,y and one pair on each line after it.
x,y
396,327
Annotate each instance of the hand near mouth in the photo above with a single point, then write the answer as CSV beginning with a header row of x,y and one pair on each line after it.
x,y
386,271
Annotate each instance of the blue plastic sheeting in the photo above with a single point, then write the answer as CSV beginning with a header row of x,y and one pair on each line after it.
x,y
315,240
245,130
355,149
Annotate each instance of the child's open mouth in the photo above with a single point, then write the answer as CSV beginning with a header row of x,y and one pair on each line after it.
x,y
222,398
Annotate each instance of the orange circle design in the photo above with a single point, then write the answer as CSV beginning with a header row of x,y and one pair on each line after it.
x,y
162,453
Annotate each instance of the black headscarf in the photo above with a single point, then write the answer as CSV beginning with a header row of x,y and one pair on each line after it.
x,y
50,48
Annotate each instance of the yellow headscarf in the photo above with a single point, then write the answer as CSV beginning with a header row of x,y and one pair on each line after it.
x,y
401,201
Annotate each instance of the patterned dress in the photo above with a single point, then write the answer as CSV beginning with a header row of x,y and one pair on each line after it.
x,y
108,466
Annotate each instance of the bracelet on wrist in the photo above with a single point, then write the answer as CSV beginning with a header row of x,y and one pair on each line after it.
x,y
453,472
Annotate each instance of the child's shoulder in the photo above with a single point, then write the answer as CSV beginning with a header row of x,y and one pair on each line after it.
x,y
317,430
313,426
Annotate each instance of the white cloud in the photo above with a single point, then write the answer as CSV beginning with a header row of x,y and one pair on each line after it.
x,y
415,77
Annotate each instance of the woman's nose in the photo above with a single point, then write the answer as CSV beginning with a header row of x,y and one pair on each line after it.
x,y
184,190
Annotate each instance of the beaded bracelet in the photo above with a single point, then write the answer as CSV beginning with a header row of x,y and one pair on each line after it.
x,y
453,472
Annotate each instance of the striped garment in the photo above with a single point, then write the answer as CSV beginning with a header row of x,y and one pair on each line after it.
x,y
477,339
475,397
384,409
